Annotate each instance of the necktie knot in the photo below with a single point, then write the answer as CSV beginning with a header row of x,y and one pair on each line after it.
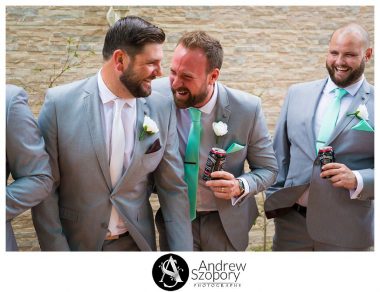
x,y
195,114
340,92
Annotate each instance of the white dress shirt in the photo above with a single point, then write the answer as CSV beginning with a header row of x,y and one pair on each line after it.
x,y
326,99
128,116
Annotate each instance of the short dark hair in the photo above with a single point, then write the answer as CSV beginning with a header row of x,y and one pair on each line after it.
x,y
210,46
131,34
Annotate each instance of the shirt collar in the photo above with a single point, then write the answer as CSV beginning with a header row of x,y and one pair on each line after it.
x,y
351,89
209,106
107,96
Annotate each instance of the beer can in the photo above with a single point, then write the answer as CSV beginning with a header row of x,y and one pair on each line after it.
x,y
326,155
215,161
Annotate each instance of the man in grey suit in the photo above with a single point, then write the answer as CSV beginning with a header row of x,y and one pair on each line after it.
x,y
225,206
329,209
26,160
101,199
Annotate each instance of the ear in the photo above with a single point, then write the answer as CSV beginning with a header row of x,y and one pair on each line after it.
x,y
368,54
120,60
214,75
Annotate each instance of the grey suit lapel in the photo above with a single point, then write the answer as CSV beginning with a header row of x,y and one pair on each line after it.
x,y
361,97
223,111
92,108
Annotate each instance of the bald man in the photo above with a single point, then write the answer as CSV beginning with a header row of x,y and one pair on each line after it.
x,y
330,207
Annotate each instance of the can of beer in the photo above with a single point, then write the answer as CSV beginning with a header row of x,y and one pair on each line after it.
x,y
215,161
326,155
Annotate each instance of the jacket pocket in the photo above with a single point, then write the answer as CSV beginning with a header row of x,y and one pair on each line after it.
x,y
150,161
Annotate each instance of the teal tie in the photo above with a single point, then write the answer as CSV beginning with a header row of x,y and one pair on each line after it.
x,y
192,159
330,118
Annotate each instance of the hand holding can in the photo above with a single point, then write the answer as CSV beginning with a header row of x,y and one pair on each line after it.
x,y
215,161
326,155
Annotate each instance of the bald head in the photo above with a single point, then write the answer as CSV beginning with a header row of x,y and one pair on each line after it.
x,y
355,31
349,51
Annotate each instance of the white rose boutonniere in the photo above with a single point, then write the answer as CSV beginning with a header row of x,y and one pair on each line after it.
x,y
220,129
361,113
149,127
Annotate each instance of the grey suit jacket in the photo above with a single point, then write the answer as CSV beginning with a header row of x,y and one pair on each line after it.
x,y
26,160
246,126
76,216
332,217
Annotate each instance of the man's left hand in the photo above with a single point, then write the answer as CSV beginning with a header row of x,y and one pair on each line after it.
x,y
341,175
224,185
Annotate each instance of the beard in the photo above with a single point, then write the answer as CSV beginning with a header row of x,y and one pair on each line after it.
x,y
192,99
350,79
134,83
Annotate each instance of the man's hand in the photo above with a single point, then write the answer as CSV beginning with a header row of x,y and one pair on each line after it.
x,y
341,175
224,185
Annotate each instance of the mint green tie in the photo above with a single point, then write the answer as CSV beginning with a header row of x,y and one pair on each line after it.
x,y
330,118
192,159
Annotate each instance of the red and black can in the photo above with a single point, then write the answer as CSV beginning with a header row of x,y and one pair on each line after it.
x,y
215,161
326,155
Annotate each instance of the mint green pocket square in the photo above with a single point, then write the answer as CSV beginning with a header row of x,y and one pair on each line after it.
x,y
234,148
363,126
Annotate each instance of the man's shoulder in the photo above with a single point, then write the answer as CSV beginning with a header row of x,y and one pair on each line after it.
x,y
159,100
163,81
13,93
13,90
161,96
162,85
370,87
308,84
239,98
71,89
15,96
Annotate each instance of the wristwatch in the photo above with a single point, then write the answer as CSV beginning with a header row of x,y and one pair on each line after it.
x,y
241,187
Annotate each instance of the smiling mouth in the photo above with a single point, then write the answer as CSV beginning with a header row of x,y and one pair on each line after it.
x,y
341,69
181,92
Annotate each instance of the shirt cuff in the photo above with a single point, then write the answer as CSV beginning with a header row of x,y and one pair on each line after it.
x,y
235,200
354,194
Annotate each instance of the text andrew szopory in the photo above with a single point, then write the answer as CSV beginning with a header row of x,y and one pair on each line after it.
x,y
216,272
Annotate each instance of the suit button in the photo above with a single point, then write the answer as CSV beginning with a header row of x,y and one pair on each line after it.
x,y
104,225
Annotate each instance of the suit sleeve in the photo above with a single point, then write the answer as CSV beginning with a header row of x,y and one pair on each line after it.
x,y
46,215
172,192
260,155
27,159
281,147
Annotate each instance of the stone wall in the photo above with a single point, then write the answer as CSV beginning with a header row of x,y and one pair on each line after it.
x,y
267,48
